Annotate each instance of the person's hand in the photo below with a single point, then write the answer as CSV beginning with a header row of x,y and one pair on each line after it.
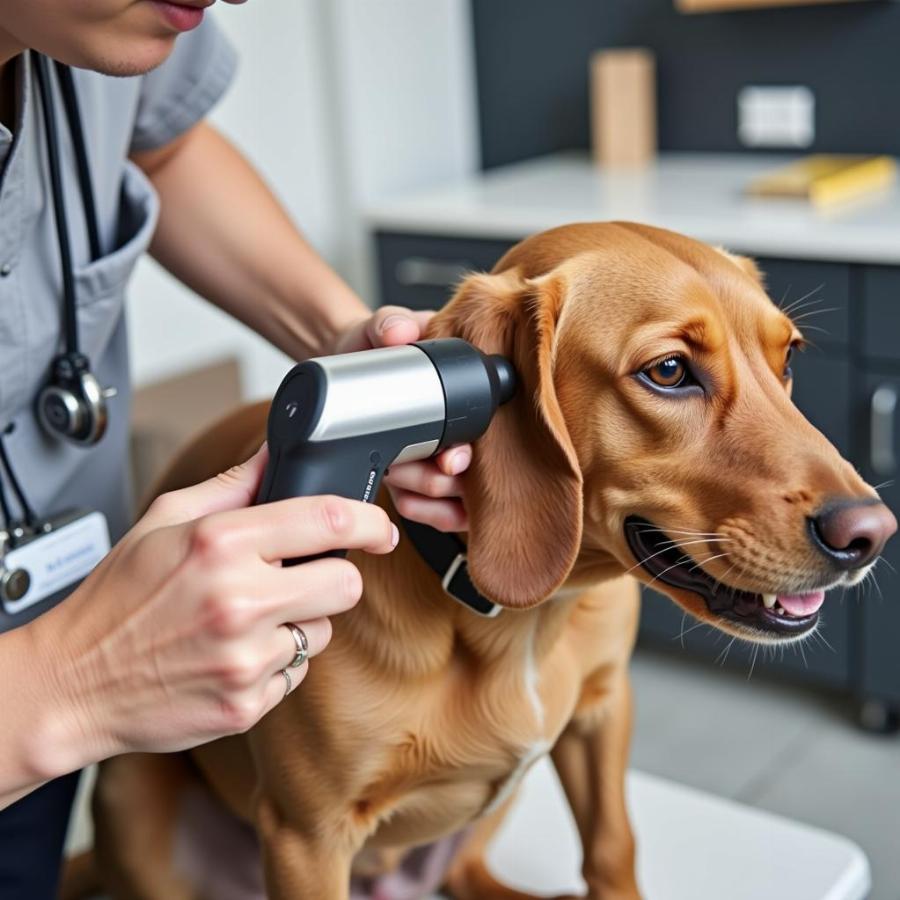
x,y
176,638
427,491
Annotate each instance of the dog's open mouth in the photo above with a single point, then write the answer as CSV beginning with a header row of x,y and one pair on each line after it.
x,y
668,563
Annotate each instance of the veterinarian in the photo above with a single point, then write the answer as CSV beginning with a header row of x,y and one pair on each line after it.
x,y
186,631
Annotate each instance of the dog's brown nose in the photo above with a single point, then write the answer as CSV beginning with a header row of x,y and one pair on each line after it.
x,y
852,534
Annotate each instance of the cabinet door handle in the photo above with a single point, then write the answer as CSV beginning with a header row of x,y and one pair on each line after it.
x,y
883,409
418,271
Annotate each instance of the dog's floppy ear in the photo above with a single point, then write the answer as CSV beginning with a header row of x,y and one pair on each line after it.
x,y
524,486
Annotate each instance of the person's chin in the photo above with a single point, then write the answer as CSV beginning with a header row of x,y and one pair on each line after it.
x,y
134,58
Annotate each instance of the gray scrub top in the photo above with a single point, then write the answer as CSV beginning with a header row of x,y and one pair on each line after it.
x,y
120,115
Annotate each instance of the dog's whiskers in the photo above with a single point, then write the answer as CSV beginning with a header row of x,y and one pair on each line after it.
x,y
793,309
814,312
709,559
723,656
806,327
875,582
810,344
817,635
753,661
869,580
664,550
735,565
676,545
674,565
679,531
796,303
808,296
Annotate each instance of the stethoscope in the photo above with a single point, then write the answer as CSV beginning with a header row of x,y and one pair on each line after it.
x,y
72,404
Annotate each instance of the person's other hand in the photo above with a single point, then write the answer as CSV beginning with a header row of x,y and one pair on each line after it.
x,y
176,638
427,491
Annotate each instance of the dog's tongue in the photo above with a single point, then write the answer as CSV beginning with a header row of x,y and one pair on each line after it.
x,y
802,604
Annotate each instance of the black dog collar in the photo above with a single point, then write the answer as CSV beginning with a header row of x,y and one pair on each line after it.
x,y
445,554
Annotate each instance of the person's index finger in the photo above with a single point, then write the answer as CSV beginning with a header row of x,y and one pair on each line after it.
x,y
306,526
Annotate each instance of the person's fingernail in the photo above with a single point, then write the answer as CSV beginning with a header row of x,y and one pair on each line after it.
x,y
392,321
395,535
460,461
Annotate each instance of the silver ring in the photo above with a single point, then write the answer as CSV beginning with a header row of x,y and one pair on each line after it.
x,y
300,642
288,684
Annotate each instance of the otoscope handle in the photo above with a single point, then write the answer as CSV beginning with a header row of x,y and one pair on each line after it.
x,y
348,467
316,469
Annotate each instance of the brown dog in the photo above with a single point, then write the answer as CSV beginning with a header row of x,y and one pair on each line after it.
x,y
653,434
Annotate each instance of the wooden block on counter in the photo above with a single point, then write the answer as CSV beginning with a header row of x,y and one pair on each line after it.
x,y
623,107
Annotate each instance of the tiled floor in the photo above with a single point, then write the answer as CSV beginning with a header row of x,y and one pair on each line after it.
x,y
789,750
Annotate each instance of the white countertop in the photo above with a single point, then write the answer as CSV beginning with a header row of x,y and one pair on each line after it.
x,y
698,194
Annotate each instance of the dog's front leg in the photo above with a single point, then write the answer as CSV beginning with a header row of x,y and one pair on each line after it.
x,y
469,877
591,757
298,865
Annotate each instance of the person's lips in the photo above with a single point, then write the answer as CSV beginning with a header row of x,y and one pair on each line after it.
x,y
181,16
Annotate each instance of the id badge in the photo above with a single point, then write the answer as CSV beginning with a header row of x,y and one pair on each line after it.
x,y
52,560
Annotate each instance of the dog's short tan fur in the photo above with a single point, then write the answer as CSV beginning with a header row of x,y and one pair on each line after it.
x,y
420,717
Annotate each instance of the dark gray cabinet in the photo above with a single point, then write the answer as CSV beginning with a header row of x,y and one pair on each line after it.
x,y
877,452
880,605
880,332
852,316
421,272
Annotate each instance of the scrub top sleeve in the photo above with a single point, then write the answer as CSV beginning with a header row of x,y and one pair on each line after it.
x,y
180,93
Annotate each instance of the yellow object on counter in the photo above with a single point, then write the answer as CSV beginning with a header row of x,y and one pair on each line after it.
x,y
825,180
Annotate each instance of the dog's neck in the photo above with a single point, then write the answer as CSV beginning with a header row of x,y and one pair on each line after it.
x,y
407,624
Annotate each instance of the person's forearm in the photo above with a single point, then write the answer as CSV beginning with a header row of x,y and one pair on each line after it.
x,y
37,740
18,773
223,233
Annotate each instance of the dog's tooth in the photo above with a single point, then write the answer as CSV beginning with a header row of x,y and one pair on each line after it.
x,y
780,611
769,601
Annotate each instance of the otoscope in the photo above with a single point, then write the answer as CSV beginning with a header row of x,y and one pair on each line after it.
x,y
338,422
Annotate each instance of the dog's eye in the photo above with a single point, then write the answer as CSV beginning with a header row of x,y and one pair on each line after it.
x,y
668,373
788,371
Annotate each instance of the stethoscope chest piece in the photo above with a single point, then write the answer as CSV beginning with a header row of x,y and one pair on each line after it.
x,y
73,405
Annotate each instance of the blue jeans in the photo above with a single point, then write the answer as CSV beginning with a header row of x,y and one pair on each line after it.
x,y
32,833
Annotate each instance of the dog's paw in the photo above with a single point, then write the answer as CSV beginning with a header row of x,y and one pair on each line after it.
x,y
471,880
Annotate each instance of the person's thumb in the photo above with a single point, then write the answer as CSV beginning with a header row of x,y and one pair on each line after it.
x,y
232,489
